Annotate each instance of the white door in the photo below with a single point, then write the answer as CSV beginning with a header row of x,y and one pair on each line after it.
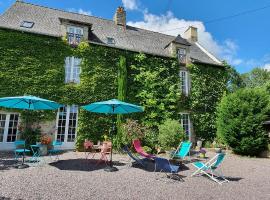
x,y
8,130
67,120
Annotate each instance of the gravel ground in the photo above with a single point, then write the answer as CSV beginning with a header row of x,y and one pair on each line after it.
x,y
73,177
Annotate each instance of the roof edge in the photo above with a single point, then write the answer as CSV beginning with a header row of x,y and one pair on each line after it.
x,y
214,58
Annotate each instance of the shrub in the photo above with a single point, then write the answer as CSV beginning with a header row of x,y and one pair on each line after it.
x,y
170,134
240,117
151,139
132,130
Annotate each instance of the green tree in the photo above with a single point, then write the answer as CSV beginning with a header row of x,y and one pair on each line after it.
x,y
256,78
240,117
234,79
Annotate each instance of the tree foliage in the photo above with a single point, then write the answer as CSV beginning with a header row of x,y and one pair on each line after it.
x,y
240,118
256,78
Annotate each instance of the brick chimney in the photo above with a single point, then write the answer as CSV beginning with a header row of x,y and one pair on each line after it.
x,y
120,16
191,34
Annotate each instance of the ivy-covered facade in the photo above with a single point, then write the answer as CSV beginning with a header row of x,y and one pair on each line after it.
x,y
75,71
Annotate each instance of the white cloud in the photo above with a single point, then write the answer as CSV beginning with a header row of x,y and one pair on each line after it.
x,y
267,66
80,11
169,24
130,4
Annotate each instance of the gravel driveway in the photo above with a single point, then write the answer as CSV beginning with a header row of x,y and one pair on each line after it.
x,y
74,178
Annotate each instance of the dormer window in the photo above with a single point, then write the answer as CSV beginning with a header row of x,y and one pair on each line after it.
x,y
110,40
182,55
74,35
27,24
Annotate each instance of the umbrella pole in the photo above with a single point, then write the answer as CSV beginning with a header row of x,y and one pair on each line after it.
x,y
23,166
111,168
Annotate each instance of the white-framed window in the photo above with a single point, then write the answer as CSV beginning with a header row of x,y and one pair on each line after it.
x,y
74,34
184,82
8,127
185,121
182,55
72,70
67,120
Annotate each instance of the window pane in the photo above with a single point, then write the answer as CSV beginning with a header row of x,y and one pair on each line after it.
x,y
184,82
61,124
185,123
2,126
72,123
12,127
181,53
71,30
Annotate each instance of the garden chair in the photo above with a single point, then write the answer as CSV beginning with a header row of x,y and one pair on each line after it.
x,y
139,150
164,165
210,168
103,153
88,148
56,149
182,151
36,157
20,150
133,157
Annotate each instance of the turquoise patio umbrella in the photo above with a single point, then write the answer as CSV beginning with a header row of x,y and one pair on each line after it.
x,y
28,103
113,106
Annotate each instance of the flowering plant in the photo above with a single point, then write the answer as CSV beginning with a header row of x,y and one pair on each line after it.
x,y
202,151
45,139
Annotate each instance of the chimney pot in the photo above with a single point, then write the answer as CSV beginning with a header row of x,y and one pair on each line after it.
x,y
120,16
191,34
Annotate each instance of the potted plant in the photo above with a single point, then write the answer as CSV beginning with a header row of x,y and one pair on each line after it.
x,y
45,140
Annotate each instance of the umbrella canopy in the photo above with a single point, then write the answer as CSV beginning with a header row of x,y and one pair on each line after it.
x,y
113,106
28,103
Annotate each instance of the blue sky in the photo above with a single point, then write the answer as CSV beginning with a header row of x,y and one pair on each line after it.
x,y
243,41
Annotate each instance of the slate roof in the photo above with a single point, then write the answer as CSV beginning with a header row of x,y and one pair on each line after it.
x,y
47,22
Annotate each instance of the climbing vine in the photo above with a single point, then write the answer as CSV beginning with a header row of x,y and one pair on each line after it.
x,y
208,84
34,64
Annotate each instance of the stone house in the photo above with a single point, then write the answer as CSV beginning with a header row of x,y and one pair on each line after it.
x,y
28,18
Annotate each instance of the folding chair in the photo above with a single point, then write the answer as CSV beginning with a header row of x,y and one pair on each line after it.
x,y
138,148
135,158
182,151
210,168
164,165
56,149
103,153
20,150
88,147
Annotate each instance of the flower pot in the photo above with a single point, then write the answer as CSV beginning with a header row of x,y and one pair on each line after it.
x,y
218,150
199,144
43,150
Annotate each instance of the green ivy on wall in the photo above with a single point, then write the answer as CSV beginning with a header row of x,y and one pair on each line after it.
x,y
34,64
207,88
